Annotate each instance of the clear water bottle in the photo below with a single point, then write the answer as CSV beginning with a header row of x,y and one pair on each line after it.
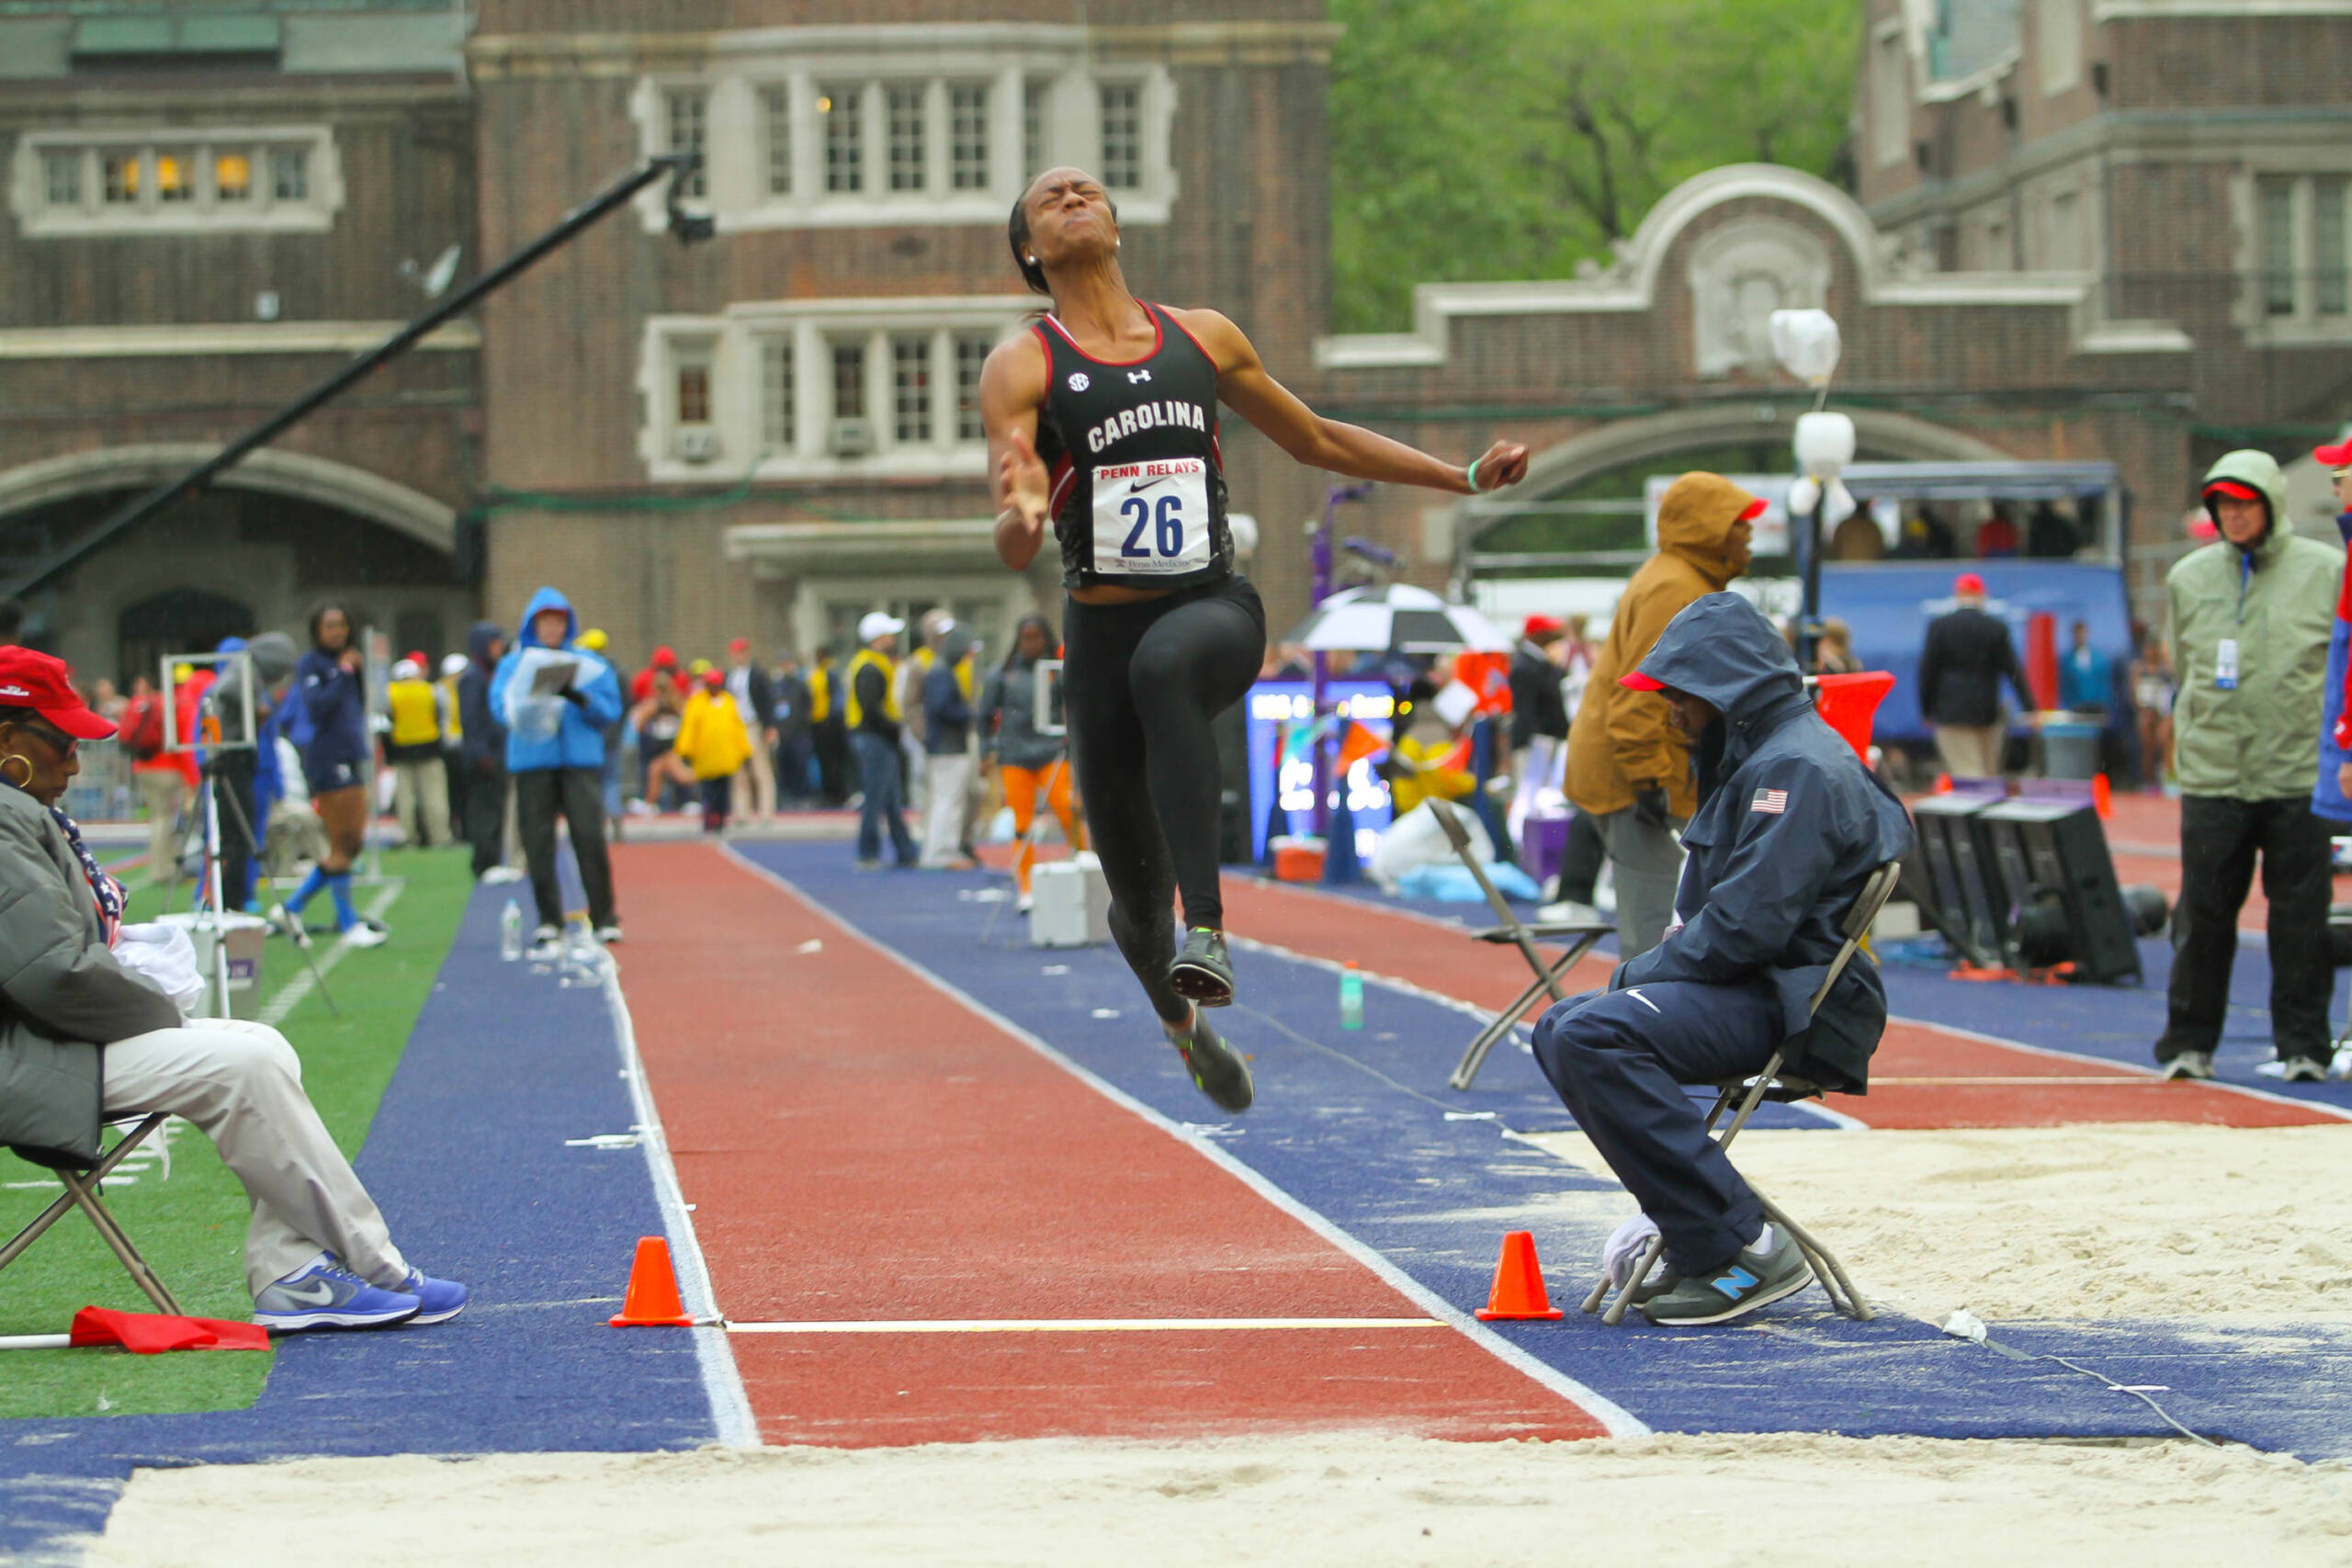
x,y
1350,996
510,931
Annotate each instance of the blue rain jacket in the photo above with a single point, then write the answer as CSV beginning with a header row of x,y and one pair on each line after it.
x,y
579,741
1778,854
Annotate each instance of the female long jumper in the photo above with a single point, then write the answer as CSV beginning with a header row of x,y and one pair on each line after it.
x,y
1102,423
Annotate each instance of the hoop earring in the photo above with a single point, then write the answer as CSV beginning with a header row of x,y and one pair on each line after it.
x,y
18,757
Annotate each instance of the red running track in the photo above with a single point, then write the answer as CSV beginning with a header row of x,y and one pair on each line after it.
x,y
1399,944
860,1145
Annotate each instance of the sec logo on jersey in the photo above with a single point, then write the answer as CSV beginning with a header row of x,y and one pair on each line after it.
x,y
1077,381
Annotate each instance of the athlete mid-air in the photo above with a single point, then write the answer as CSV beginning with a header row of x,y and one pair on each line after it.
x,y
1101,423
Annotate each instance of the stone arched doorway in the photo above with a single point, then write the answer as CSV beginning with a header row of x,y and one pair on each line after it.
x,y
1583,497
177,620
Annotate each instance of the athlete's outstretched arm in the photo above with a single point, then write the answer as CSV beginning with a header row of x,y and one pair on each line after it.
x,y
1012,388
1244,385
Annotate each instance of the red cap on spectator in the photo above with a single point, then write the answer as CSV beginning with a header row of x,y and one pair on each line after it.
x,y
1635,681
664,657
416,658
2337,456
1542,626
37,681
1968,582
714,679
2232,488
1754,509
739,645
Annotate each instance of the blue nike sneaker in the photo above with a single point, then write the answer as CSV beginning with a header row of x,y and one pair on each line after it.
x,y
1749,1281
438,1300
328,1296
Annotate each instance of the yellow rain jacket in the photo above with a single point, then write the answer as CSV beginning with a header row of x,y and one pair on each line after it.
x,y
711,736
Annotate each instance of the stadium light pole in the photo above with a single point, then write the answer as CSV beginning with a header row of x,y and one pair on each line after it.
x,y
1807,345
687,228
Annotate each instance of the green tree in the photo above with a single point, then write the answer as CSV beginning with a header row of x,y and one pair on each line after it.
x,y
1512,138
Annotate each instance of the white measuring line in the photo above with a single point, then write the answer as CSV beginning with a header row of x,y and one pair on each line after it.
x,y
1614,1418
722,1381
290,996
1077,1325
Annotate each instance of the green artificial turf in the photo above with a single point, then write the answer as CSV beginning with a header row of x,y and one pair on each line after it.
x,y
192,1227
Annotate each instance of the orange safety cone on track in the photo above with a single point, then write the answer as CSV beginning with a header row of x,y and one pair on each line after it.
x,y
1517,1291
2102,796
652,1300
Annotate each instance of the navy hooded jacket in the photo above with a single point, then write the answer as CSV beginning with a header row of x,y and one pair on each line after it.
x,y
578,740
481,734
1779,853
338,746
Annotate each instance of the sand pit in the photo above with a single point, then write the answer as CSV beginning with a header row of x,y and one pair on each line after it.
x,y
2109,1221
1355,1500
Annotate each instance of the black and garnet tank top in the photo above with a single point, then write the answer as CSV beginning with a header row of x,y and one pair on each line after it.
x,y
1139,484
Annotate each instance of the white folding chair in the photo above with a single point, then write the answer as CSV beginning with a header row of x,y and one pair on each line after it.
x,y
82,1183
1782,1087
1580,936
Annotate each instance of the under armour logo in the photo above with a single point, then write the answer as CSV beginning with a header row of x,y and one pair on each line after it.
x,y
1136,376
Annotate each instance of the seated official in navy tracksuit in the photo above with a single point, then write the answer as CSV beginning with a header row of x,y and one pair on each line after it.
x,y
1776,858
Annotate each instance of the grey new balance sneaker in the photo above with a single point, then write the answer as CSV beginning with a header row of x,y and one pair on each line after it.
x,y
2303,1069
1202,973
327,1295
2189,1064
1217,1068
1739,1287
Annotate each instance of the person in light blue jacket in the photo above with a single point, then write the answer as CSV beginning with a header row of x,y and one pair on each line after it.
x,y
555,753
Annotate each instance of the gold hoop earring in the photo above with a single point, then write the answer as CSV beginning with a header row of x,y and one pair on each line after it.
x,y
18,757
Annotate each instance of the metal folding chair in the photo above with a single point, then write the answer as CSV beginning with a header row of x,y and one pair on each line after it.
x,y
81,1192
1579,935
1782,1087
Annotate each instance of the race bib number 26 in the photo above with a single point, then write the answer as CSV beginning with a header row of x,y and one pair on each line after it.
x,y
1152,519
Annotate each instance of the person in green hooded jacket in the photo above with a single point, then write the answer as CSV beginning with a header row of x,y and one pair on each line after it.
x,y
2250,616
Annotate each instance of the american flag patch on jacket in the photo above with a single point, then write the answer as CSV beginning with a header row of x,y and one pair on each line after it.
x,y
1769,800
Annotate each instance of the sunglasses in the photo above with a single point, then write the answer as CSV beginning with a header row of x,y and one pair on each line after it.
x,y
56,739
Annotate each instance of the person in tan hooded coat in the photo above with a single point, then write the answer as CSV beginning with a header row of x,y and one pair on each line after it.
x,y
1629,769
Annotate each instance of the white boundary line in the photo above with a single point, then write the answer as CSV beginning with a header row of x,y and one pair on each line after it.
x,y
1614,1418
1074,1325
730,1407
290,996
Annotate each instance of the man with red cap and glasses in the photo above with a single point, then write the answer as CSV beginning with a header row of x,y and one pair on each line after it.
x,y
2250,616
1967,654
83,1038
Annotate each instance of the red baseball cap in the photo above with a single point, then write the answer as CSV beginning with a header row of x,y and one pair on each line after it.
x,y
1754,509
739,645
2337,456
36,681
416,657
1968,582
714,679
663,657
1634,680
2233,490
1539,626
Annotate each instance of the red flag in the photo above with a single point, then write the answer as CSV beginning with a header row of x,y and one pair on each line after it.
x,y
150,1334
1357,744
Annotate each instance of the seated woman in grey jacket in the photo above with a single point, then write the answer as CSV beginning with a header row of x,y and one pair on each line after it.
x,y
82,1039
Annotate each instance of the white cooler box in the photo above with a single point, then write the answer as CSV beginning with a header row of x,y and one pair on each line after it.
x,y
1070,903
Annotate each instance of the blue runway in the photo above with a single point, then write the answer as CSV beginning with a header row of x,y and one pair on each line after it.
x,y
467,1157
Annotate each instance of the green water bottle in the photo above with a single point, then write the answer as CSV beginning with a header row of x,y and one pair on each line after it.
x,y
1350,998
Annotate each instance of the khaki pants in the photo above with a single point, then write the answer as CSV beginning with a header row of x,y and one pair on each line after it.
x,y
756,781
162,791
241,1084
942,834
1970,750
1646,867
420,800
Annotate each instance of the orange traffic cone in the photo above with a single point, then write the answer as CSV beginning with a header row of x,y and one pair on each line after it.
x,y
652,1301
1518,1289
2102,796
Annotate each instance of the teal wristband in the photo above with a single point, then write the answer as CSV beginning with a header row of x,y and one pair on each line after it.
x,y
1472,476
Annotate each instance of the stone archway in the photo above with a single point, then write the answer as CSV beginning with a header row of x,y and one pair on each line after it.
x,y
1623,443
270,471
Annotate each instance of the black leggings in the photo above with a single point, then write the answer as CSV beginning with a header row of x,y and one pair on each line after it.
x,y
1141,684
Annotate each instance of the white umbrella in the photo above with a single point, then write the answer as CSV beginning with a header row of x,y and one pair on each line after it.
x,y
1397,617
